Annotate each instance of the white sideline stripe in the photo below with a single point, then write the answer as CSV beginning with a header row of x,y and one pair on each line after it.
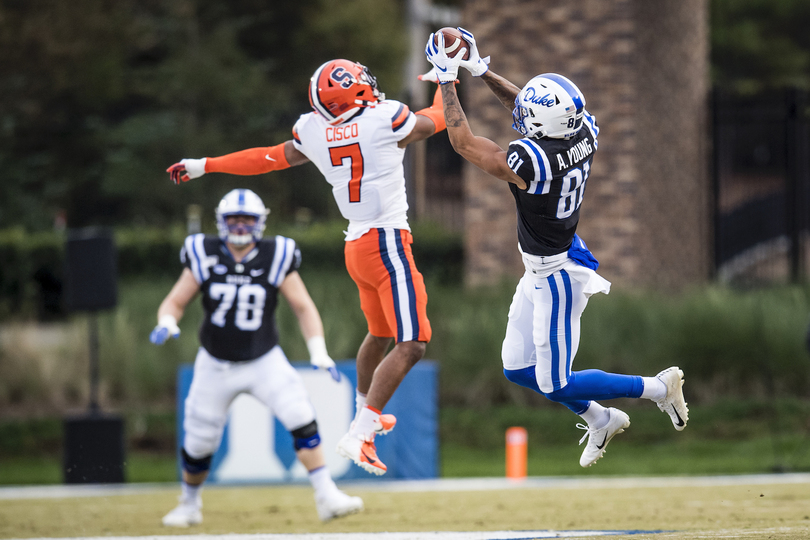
x,y
441,484
437,535
562,482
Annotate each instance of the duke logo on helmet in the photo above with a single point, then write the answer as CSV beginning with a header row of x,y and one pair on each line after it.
x,y
340,88
549,105
241,202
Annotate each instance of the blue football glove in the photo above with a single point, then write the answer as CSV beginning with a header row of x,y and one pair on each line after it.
x,y
319,357
446,67
166,328
476,65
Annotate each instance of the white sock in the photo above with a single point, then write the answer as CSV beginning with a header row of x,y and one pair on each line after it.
x,y
596,416
359,403
364,425
654,389
321,481
190,493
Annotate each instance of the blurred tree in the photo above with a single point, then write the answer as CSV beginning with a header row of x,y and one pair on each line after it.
x,y
760,44
97,98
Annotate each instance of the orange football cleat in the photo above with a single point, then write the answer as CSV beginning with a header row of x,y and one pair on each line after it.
x,y
363,453
385,424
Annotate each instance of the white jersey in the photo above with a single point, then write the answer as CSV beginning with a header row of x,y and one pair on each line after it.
x,y
361,160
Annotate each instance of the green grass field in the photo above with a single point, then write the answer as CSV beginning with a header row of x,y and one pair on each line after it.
x,y
727,437
689,512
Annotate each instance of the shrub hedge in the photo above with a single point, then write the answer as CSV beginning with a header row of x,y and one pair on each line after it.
x,y
31,269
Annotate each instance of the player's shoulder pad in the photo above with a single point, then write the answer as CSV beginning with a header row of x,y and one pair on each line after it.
x,y
195,246
300,125
196,255
528,160
395,113
286,259
589,121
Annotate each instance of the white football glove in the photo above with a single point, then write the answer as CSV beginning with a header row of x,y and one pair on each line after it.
x,y
446,67
186,169
430,76
319,357
165,329
476,65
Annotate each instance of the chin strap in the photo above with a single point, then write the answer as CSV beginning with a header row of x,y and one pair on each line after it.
x,y
436,111
249,162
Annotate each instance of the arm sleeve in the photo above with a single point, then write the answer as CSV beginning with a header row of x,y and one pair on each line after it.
x,y
249,162
436,111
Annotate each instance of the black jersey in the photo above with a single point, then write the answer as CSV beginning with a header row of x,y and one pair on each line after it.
x,y
555,171
239,299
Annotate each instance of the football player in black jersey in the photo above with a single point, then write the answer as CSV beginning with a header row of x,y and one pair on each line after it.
x,y
546,171
239,276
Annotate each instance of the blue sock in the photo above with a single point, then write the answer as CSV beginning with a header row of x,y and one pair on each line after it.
x,y
583,386
597,385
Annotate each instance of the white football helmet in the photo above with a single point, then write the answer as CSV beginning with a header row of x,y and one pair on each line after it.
x,y
548,106
241,202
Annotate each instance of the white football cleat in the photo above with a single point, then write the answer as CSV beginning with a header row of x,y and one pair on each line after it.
x,y
674,404
598,439
187,513
337,504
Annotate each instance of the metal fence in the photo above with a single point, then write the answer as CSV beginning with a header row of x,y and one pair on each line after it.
x,y
761,187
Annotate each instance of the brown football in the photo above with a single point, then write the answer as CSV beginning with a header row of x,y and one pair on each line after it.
x,y
453,42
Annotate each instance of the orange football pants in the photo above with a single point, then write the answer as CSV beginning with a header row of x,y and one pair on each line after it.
x,y
392,292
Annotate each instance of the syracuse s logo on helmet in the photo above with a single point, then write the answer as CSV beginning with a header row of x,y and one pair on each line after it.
x,y
342,77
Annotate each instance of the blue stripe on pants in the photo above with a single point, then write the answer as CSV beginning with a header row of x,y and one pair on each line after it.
x,y
386,259
569,300
411,292
555,347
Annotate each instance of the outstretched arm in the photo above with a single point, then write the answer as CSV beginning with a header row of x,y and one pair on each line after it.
x,y
480,151
245,162
429,120
504,90
478,67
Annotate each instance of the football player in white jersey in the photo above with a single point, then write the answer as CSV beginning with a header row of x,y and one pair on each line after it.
x,y
239,276
357,140
546,171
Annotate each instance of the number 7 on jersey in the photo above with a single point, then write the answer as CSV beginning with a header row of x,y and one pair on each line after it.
x,y
355,156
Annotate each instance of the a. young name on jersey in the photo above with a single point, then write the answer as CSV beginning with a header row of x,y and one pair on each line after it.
x,y
548,208
575,154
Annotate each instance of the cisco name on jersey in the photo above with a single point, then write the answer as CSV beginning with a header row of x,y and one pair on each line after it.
x,y
555,171
239,299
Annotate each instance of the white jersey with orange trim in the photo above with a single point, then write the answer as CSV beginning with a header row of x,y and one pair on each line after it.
x,y
361,160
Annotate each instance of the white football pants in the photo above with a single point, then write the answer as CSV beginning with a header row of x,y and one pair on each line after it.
x,y
544,318
216,383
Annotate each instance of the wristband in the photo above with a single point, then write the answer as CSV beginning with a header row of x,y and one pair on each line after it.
x,y
317,347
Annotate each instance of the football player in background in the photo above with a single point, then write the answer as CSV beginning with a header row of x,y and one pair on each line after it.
x,y
240,276
356,138
546,171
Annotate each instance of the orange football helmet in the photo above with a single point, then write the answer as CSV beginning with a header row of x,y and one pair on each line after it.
x,y
340,87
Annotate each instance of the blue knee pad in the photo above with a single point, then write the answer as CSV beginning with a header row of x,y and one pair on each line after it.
x,y
195,465
306,436
526,377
